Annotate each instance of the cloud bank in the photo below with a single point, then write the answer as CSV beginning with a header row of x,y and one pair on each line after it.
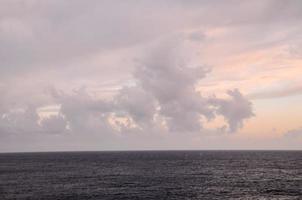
x,y
162,99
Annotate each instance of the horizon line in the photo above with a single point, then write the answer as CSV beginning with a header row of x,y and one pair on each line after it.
x,y
145,150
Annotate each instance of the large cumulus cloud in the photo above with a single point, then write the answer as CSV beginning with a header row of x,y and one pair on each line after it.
x,y
162,98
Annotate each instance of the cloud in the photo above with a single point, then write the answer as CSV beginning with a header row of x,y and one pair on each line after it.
x,y
49,33
136,103
234,110
164,76
55,124
43,34
19,121
82,112
163,99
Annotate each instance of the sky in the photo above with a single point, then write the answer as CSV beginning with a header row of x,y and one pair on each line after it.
x,y
150,75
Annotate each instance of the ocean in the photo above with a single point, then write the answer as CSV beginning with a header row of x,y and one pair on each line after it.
x,y
151,175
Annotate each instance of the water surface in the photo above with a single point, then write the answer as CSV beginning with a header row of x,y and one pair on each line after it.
x,y
152,175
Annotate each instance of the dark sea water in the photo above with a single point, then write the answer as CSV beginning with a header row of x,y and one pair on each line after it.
x,y
152,175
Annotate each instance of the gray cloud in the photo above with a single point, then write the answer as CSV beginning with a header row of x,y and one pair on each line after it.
x,y
54,124
82,112
235,110
51,32
136,103
164,98
172,84
19,121
36,35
